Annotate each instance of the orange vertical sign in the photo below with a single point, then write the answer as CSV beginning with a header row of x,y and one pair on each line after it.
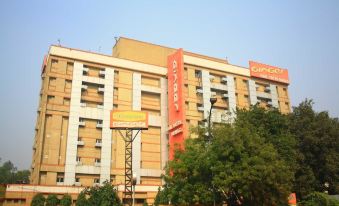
x,y
292,199
268,72
176,112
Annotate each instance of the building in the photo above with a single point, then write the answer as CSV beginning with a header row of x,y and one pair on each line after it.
x,y
73,144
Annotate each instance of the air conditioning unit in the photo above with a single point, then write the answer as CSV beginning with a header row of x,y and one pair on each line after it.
x,y
79,163
102,73
98,144
83,104
224,79
82,124
96,184
77,184
201,109
269,103
267,89
81,143
84,87
200,91
99,106
99,124
212,77
225,96
97,164
101,89
213,93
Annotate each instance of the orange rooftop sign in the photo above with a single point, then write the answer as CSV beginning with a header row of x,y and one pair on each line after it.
x,y
268,72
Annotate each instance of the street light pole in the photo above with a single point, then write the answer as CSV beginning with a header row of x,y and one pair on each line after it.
x,y
213,100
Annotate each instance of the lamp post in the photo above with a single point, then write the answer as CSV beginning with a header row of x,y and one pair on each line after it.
x,y
134,182
213,100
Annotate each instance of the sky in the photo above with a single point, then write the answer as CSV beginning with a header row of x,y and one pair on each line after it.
x,y
301,36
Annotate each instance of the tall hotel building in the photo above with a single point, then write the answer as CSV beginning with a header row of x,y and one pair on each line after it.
x,y
73,143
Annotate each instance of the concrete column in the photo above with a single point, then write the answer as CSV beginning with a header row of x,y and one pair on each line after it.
x,y
274,96
106,148
206,87
252,92
232,102
164,121
136,93
73,125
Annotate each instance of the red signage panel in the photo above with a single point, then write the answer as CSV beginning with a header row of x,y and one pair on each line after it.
x,y
268,72
176,112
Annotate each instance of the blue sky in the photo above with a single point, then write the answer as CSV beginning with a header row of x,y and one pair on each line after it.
x,y
301,36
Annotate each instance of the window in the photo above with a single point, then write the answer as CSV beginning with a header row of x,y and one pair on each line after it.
x,y
197,74
60,179
77,179
97,160
50,99
98,141
96,180
78,159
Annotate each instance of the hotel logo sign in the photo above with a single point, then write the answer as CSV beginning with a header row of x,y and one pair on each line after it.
x,y
268,72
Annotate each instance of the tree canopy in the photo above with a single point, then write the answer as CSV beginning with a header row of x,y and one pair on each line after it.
x,y
105,195
258,160
10,175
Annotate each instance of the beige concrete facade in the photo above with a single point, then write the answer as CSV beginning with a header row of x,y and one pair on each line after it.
x,y
73,145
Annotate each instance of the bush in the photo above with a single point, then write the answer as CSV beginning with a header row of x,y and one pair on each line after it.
x,y
319,199
66,200
52,200
38,200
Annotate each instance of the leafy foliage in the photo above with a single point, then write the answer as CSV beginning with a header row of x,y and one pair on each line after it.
x,y
105,195
52,200
38,200
250,161
9,174
317,136
319,199
66,200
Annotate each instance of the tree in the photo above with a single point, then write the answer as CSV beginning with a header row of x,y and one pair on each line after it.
x,y
317,138
66,200
52,200
317,199
10,175
250,161
82,200
38,200
105,195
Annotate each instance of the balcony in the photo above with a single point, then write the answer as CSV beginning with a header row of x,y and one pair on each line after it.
x,y
80,143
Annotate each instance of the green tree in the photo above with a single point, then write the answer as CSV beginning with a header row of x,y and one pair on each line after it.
x,y
319,199
317,137
66,200
82,200
105,195
252,160
10,175
52,200
38,200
